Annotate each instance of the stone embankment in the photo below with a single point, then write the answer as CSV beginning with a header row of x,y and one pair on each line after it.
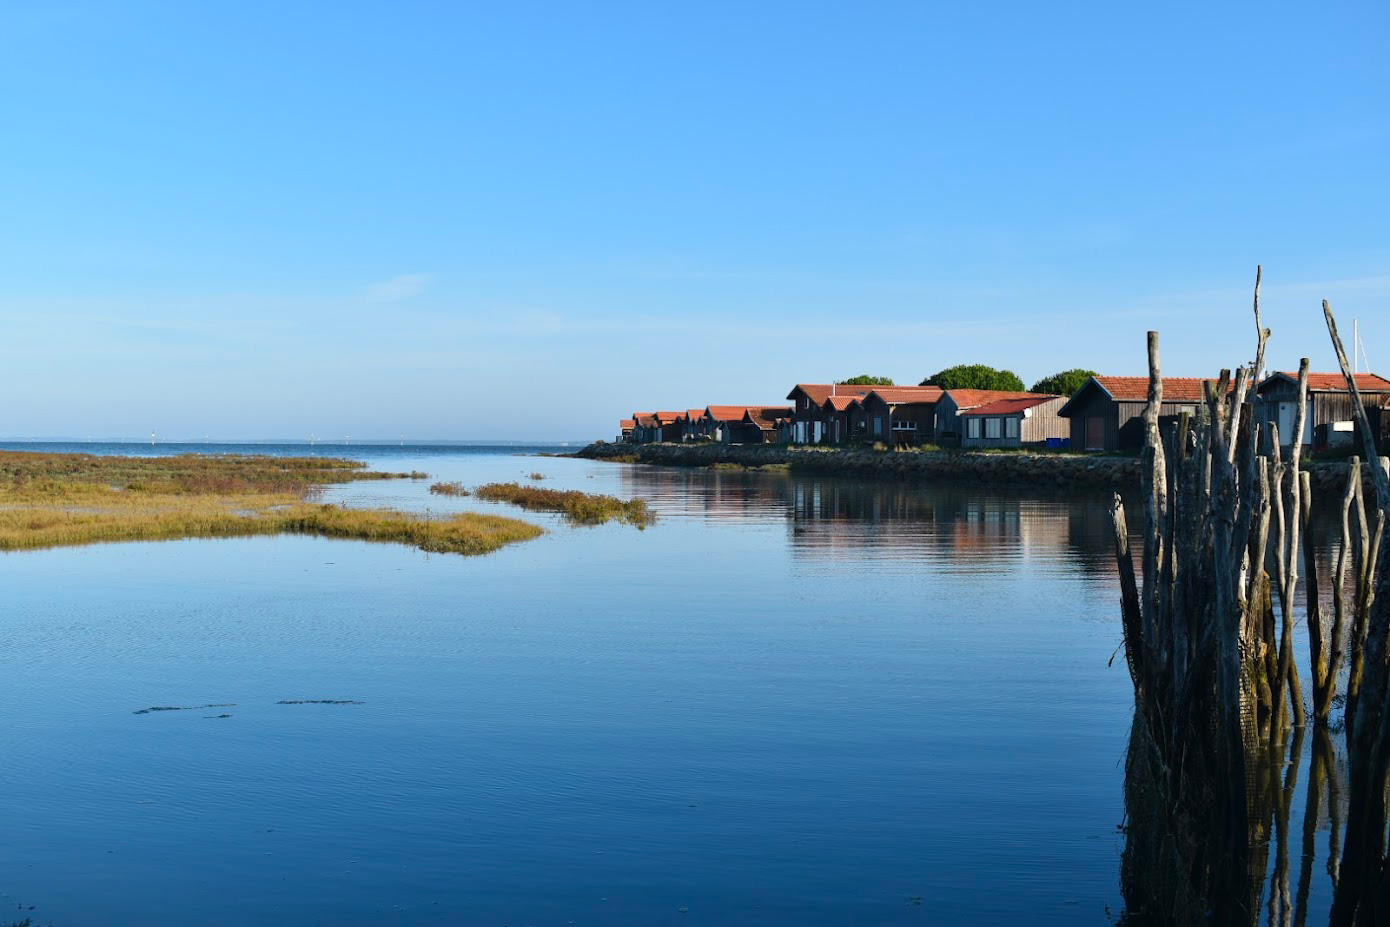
x,y
1017,470
1012,469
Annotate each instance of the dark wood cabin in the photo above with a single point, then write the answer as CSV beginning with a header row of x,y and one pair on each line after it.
x,y
835,412
746,424
668,426
808,421
1107,413
1330,419
645,429
692,425
902,416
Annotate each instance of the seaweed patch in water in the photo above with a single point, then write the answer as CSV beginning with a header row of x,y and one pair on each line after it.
x,y
319,701
146,711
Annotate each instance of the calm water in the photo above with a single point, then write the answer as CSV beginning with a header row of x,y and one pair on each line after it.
x,y
792,701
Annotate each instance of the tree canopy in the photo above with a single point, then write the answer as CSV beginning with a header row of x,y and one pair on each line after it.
x,y
975,376
1066,383
865,380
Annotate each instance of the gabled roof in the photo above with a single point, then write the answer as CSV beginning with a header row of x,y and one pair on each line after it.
x,y
692,414
820,392
627,424
726,413
762,416
646,419
899,395
839,403
1136,389
1009,406
666,418
1331,382
972,398
767,417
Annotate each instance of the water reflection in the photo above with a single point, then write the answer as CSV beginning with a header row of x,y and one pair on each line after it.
x,y
946,523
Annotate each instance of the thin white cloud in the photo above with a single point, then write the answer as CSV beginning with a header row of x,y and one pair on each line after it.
x,y
399,287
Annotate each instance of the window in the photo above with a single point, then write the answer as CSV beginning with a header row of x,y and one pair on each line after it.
x,y
972,428
991,428
904,426
1011,428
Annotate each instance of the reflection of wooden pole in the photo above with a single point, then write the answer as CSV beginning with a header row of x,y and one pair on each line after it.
x,y
1318,646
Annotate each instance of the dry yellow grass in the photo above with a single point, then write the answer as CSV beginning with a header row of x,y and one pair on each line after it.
x,y
51,500
580,508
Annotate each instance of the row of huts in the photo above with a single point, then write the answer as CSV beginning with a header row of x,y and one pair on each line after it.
x,y
1106,414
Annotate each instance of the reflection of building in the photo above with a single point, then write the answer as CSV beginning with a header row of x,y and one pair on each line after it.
x,y
837,516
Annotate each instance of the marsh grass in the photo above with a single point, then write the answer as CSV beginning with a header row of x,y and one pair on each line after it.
x,y
53,500
578,507
449,489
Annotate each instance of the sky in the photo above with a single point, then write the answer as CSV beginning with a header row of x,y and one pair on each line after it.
x,y
505,221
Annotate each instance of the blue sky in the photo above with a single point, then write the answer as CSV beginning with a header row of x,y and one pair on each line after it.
x,y
495,221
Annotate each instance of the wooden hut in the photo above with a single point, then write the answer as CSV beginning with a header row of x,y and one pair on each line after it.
x,y
835,412
1330,417
692,425
1107,413
645,428
953,402
808,421
752,424
903,416
625,429
1027,422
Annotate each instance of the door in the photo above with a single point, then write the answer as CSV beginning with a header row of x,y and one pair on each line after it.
x,y
1095,433
1287,413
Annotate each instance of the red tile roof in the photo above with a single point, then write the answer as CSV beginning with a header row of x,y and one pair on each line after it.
x,y
1136,389
820,392
646,419
1009,406
666,418
972,398
726,413
897,395
1335,382
627,424
766,417
840,403
693,414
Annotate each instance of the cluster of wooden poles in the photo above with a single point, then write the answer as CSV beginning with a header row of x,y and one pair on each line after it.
x,y
1209,619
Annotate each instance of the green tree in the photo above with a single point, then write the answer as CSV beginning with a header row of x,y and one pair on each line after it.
x,y
865,380
975,376
1066,383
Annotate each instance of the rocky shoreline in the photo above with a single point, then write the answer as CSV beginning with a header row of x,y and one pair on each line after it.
x,y
1015,470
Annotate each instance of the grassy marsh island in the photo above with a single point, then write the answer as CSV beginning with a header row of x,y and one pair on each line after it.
x,y
578,507
55,500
